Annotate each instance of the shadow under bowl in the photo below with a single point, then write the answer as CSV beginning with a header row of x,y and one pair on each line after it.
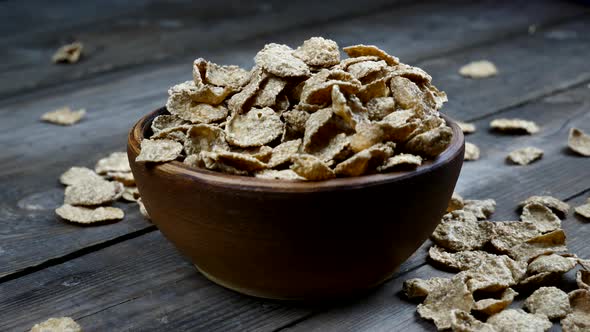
x,y
296,240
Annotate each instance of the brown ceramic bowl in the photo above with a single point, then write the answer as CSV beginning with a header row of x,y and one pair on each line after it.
x,y
295,240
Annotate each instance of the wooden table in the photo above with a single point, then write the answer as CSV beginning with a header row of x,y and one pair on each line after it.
x,y
126,276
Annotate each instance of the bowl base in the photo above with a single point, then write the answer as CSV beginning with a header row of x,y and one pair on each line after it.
x,y
268,296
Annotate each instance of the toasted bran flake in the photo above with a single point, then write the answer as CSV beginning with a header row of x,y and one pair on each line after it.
x,y
64,116
479,69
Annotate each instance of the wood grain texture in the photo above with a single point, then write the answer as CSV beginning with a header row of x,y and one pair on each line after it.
x,y
136,33
143,283
159,31
115,101
191,302
119,274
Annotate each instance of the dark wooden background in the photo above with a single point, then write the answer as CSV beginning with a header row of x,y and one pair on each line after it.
x,y
126,276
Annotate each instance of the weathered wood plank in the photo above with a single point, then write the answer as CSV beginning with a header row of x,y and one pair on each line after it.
x,y
27,214
19,19
529,67
149,274
189,302
114,102
559,172
137,33
143,91
159,32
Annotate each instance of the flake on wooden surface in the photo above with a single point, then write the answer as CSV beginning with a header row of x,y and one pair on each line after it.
x,y
471,151
479,69
76,175
130,194
460,230
420,288
583,210
95,192
541,216
126,178
491,306
583,279
115,162
579,319
552,242
525,156
549,301
142,209
508,234
466,128
559,207
515,126
463,321
69,53
553,263
85,215
456,203
440,302
64,116
59,324
481,208
511,320
579,142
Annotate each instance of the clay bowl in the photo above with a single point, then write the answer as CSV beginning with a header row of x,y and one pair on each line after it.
x,y
295,240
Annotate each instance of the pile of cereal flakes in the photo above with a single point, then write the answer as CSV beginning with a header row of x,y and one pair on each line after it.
x,y
89,193
302,114
497,260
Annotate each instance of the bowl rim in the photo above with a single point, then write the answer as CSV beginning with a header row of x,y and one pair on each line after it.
x,y
250,183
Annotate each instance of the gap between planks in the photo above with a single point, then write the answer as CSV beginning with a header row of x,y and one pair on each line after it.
x,y
75,254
